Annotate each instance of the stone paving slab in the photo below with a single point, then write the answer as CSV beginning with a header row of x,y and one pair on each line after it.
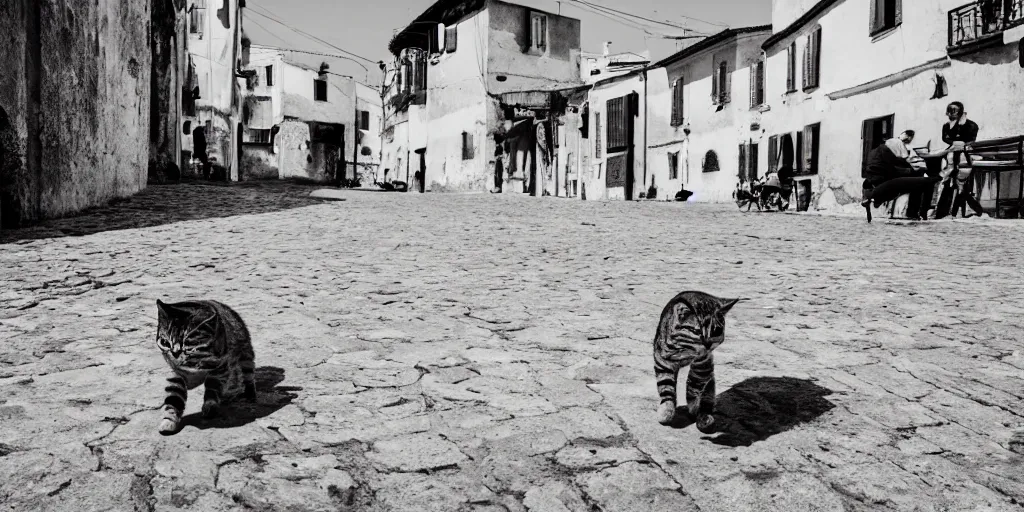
x,y
458,353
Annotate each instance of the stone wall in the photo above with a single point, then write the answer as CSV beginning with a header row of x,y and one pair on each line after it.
x,y
258,162
75,90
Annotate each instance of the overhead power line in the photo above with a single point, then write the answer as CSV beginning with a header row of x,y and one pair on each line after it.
x,y
272,17
637,16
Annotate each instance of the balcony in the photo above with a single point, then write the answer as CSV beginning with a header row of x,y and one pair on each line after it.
x,y
981,22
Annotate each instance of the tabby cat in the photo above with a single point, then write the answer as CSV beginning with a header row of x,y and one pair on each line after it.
x,y
204,342
692,325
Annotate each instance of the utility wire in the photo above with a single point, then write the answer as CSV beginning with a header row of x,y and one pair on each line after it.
x,y
612,15
624,13
307,34
267,30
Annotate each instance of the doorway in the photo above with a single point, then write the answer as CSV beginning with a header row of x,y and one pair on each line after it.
x,y
874,133
421,174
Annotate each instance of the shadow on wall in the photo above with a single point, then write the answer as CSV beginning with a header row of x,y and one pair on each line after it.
x,y
10,167
761,407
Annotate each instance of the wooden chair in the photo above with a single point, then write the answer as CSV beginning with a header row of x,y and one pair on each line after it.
x,y
1000,158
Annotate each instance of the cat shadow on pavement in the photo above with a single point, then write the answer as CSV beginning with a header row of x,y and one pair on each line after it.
x,y
760,407
270,398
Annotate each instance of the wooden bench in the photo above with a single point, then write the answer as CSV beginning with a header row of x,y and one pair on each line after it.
x,y
1003,161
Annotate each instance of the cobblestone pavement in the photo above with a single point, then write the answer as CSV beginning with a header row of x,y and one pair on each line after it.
x,y
456,353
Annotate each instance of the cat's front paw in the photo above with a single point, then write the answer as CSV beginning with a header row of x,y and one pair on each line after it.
x,y
706,423
210,409
167,426
666,413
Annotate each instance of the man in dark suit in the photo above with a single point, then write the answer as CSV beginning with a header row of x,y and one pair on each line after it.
x,y
888,175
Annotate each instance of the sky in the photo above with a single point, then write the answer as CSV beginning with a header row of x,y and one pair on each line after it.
x,y
364,27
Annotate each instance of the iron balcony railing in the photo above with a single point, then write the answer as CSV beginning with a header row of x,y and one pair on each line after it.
x,y
982,18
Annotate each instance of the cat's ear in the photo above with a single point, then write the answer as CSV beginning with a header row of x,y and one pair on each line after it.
x,y
724,305
163,310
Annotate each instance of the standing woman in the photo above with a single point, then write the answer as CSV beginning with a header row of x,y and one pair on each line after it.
x,y
959,132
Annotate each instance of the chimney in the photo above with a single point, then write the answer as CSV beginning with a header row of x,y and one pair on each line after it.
x,y
607,48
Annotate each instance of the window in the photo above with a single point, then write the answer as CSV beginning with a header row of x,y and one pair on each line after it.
x,y
720,84
677,102
757,84
197,18
585,123
791,68
451,39
467,146
538,31
885,15
618,123
810,148
710,161
597,135
874,133
364,120
257,136
270,76
320,90
812,59
673,165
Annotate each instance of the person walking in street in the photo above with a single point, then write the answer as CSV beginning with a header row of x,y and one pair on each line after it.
x,y
888,175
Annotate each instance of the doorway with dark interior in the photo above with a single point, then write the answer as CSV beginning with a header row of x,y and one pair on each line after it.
x,y
421,174
620,149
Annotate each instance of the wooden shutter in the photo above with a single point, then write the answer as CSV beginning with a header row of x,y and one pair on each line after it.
x,y
671,166
810,147
760,82
773,153
451,39
714,83
898,5
791,67
798,155
816,58
585,123
727,80
805,70
752,166
754,85
873,22
866,130
743,163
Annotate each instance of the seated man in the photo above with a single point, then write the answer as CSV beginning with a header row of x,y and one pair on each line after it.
x,y
888,175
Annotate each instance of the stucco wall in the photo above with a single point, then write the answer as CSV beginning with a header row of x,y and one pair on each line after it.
x,y
721,131
457,103
259,163
508,41
259,59
295,151
85,67
368,99
851,57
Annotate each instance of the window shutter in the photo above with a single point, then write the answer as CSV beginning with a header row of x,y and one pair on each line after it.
x,y
773,153
754,85
671,168
675,103
817,58
451,39
752,166
743,163
808,154
873,23
798,155
791,67
714,84
727,80
898,5
807,59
